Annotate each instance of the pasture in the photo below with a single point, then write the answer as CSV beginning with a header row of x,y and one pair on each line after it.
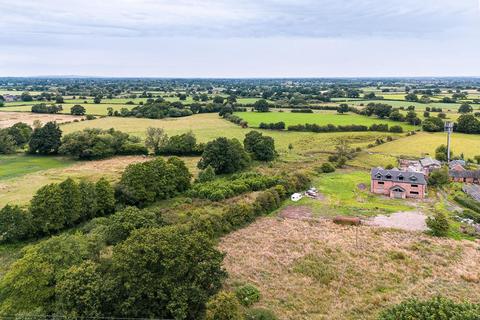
x,y
321,118
12,166
424,143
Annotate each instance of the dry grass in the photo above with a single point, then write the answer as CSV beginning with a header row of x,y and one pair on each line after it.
x,y
8,119
314,270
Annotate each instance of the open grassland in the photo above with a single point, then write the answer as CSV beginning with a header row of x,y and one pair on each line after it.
x,y
348,193
321,118
424,143
12,166
319,270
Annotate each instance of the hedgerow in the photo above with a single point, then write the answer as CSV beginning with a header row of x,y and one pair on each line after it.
x,y
224,188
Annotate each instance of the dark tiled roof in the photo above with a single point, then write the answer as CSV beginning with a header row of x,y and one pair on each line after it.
x,y
464,174
397,175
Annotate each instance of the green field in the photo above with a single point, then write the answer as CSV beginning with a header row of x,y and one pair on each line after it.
x,y
19,165
321,118
424,143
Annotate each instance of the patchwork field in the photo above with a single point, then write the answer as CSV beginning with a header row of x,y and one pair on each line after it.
x,y
318,270
207,127
321,118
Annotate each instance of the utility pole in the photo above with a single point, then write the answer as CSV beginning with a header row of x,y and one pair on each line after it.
x,y
449,130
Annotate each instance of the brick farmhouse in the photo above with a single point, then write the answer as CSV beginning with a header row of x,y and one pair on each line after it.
x,y
398,184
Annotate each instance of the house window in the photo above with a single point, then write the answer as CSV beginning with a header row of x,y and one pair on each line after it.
x,y
388,176
381,182
414,185
400,177
413,192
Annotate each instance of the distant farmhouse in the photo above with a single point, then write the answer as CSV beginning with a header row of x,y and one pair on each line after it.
x,y
398,184
425,165
458,173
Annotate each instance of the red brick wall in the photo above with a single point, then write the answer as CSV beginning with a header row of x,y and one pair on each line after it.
x,y
378,188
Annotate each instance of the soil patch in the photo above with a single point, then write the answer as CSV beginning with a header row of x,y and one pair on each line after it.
x,y
405,220
296,212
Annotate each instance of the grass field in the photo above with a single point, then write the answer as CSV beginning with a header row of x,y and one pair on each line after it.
x,y
319,270
19,165
321,118
343,195
424,143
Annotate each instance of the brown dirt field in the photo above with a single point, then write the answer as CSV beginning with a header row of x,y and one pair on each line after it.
x,y
314,270
8,119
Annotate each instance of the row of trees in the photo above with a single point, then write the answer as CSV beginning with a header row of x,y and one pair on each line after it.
x,y
313,127
55,207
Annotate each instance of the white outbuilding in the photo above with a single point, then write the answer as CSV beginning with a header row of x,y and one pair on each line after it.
x,y
296,196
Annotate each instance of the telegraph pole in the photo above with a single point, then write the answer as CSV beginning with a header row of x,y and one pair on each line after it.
x,y
449,130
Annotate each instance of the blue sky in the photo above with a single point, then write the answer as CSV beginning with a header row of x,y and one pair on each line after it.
x,y
240,38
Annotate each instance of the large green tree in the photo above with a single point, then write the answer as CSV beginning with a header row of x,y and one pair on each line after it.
x,y
224,155
166,273
46,139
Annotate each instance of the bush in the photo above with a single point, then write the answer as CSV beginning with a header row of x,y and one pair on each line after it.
x,y
327,167
439,224
15,224
247,294
221,189
438,177
224,306
206,175
437,308
468,202
260,314
396,129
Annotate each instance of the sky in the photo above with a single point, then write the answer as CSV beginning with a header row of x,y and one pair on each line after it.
x,y
240,38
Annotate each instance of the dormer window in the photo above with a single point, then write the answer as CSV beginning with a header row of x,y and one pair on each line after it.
x,y
379,175
388,176
400,177
413,178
